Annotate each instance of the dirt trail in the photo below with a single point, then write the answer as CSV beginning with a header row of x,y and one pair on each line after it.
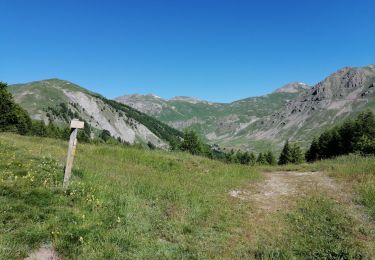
x,y
280,192
279,188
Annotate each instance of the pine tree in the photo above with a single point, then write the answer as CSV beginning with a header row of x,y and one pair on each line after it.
x,y
261,160
366,145
174,143
347,134
105,135
191,143
270,158
237,157
285,156
207,151
39,129
229,157
296,154
365,124
312,153
245,158
12,117
252,160
53,131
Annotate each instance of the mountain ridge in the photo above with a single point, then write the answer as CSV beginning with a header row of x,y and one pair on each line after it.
x,y
291,87
256,122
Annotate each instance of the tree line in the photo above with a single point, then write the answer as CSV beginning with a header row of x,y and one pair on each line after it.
x,y
353,136
193,144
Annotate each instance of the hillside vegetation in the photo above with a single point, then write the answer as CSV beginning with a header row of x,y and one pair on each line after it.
x,y
353,136
126,202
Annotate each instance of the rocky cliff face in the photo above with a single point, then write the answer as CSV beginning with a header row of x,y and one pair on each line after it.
x,y
341,93
149,104
51,99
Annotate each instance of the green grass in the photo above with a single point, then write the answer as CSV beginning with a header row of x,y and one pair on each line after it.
x,y
359,171
123,203
316,229
133,203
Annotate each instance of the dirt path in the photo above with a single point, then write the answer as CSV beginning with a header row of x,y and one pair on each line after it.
x,y
280,189
280,192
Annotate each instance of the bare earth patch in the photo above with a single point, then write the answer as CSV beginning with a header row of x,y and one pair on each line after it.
x,y
43,253
276,191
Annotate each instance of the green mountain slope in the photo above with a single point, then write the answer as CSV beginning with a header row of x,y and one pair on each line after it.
x,y
59,101
214,121
295,111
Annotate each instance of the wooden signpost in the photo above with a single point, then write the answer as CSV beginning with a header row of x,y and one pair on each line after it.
x,y
75,124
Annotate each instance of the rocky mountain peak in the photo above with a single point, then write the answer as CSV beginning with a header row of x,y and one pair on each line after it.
x,y
340,83
138,97
293,87
192,100
185,98
340,93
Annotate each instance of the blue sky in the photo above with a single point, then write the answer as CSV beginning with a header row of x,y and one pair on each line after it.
x,y
214,50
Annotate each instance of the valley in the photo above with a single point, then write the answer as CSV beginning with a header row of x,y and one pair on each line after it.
x,y
187,130
296,112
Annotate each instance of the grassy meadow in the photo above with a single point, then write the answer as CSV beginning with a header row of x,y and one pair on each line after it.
x,y
129,203
123,202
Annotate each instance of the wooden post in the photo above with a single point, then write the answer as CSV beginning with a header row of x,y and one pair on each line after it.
x,y
74,126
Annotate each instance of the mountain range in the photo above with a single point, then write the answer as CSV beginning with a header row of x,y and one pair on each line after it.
x,y
294,112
